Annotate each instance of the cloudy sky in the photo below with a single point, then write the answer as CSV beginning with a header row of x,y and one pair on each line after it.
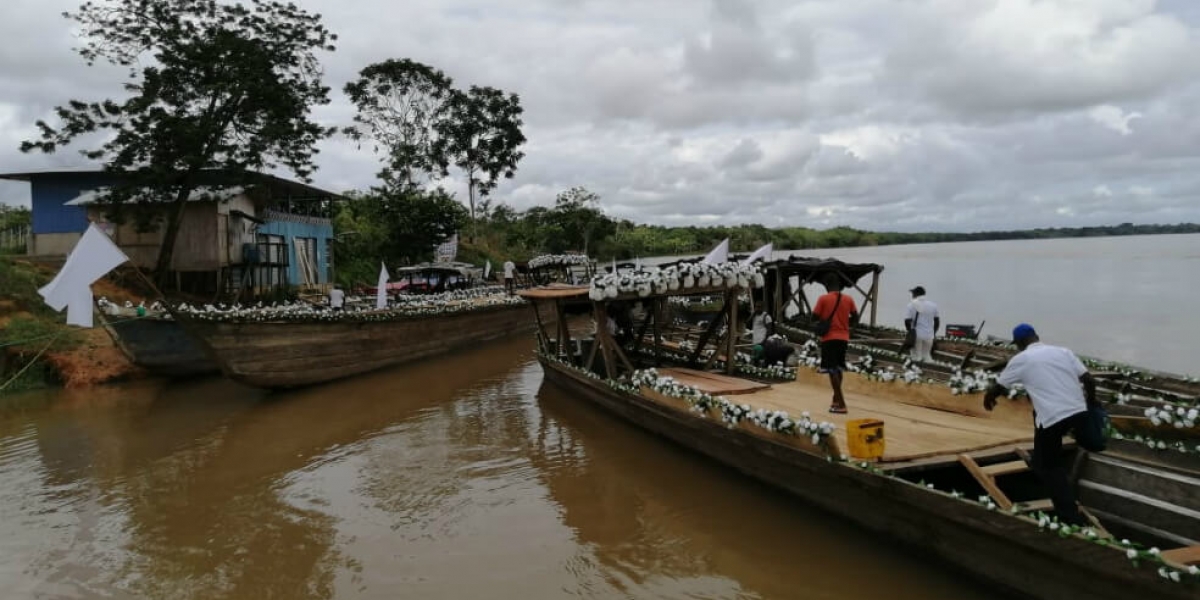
x,y
902,115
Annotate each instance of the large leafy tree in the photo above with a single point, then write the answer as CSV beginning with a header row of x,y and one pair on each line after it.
x,y
399,104
213,86
398,227
481,134
578,216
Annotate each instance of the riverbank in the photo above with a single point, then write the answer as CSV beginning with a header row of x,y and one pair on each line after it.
x,y
38,349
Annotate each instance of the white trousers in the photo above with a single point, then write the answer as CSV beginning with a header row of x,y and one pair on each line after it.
x,y
922,350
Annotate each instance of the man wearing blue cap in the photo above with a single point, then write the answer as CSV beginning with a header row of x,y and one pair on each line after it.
x,y
1064,401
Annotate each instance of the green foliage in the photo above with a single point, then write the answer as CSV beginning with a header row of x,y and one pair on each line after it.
x,y
213,86
15,216
28,335
399,228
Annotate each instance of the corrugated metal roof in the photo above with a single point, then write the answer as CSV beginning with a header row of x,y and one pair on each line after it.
x,y
207,193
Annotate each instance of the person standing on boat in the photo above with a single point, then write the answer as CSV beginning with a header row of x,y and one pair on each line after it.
x,y
337,298
922,318
1063,393
510,272
840,310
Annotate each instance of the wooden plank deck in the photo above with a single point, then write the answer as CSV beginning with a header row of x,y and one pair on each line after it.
x,y
713,383
911,432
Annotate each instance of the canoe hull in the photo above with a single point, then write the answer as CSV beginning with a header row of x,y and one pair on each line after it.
x,y
997,547
284,355
160,346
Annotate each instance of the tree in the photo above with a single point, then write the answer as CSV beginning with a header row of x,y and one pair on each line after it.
x,y
226,87
577,214
481,135
397,227
399,105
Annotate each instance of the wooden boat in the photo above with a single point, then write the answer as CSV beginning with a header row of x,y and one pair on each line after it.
x,y
950,481
285,350
157,343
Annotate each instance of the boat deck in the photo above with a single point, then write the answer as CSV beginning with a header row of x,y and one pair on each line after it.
x,y
911,431
713,383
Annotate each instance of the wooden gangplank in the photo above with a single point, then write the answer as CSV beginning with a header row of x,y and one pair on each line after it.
x,y
713,383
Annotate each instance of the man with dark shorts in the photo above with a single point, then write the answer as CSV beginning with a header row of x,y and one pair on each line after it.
x,y
841,311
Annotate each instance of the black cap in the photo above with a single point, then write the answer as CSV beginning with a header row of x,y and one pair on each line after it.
x,y
918,291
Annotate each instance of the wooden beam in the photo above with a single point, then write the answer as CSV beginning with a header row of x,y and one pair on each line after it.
x,y
602,338
637,343
874,295
713,326
543,339
987,481
658,305
731,358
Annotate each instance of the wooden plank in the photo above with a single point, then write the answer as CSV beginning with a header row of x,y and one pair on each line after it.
x,y
713,383
987,481
1006,468
1182,556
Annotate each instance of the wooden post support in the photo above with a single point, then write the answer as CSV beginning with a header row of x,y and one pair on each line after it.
x,y
602,338
731,299
713,326
778,308
543,339
659,307
874,295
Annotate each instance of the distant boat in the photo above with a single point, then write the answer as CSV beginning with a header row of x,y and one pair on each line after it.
x,y
285,348
157,343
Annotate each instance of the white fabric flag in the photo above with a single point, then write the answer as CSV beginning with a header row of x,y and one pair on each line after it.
x,y
719,254
93,257
763,253
614,267
381,288
79,311
487,270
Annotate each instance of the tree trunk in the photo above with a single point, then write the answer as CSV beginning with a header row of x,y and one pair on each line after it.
x,y
162,268
471,196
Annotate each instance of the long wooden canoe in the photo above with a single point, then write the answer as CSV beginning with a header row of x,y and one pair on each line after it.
x,y
286,354
950,478
1001,547
158,344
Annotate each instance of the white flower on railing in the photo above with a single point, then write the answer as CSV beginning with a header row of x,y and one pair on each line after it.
x,y
1169,414
676,277
404,306
562,260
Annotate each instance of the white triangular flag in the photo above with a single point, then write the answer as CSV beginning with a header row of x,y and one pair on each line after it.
x,y
614,266
719,254
381,287
637,263
487,270
92,258
763,253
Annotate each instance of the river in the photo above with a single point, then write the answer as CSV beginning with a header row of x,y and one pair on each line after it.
x,y
466,477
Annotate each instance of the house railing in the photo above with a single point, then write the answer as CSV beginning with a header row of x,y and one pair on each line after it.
x,y
14,240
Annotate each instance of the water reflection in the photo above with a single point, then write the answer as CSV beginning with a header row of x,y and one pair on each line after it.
x,y
461,477
666,522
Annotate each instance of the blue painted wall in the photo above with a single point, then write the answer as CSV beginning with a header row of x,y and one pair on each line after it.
x,y
48,196
290,231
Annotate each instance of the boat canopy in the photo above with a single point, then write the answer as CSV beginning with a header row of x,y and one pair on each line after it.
x,y
788,300
810,269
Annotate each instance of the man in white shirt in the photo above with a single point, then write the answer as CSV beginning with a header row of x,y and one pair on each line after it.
x,y
923,316
337,298
1063,394
510,272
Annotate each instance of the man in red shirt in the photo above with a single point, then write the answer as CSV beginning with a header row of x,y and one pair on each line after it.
x,y
841,311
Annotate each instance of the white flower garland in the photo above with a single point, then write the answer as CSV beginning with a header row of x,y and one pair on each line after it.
x,y
405,306
676,277
1050,524
1179,416
562,260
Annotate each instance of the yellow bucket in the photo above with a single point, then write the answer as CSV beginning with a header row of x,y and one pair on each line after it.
x,y
865,437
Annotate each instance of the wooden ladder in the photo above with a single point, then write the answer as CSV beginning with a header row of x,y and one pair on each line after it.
x,y
986,476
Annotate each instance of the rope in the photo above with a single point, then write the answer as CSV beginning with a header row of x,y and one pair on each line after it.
x,y
54,335
30,363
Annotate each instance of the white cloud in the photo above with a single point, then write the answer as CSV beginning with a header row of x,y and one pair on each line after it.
x,y
1113,118
924,114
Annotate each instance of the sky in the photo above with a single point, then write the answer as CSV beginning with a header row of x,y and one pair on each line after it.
x,y
885,115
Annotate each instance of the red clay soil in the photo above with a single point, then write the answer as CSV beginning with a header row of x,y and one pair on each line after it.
x,y
93,362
